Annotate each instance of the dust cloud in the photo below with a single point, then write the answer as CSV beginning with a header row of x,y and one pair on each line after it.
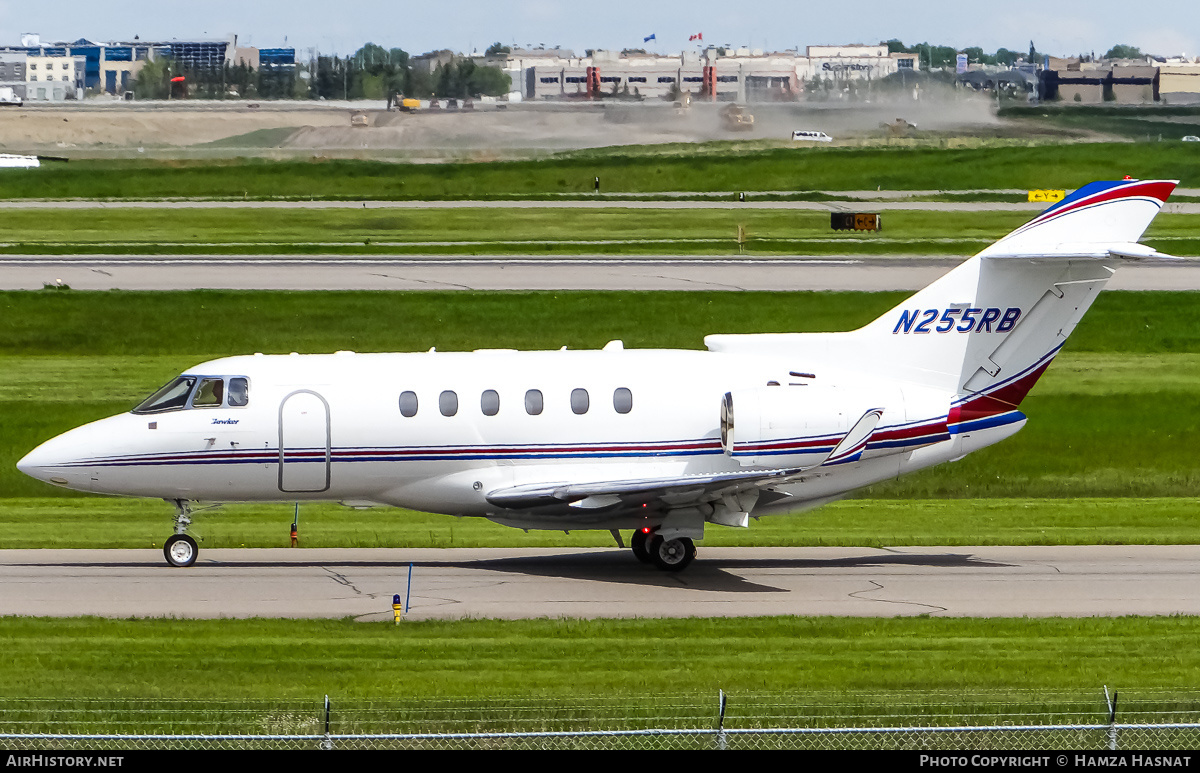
x,y
199,130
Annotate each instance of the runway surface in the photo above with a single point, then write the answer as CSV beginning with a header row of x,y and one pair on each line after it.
x,y
1080,581
517,272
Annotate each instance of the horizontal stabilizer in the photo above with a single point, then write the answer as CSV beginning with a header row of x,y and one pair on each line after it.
x,y
1127,251
1106,214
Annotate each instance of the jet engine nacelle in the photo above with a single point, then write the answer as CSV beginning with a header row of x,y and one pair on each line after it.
x,y
801,425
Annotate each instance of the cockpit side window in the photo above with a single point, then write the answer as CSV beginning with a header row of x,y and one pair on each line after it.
x,y
239,392
171,397
210,393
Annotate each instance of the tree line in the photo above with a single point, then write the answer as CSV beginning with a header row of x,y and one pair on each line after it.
x,y
372,72
936,56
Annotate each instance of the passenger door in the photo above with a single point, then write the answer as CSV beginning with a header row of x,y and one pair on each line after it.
x,y
305,454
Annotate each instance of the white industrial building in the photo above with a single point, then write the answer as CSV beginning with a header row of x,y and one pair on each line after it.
x,y
53,78
722,74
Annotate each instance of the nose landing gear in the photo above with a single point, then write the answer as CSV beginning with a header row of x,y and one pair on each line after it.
x,y
180,549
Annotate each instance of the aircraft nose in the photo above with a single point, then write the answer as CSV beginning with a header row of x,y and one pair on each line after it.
x,y
51,462
29,463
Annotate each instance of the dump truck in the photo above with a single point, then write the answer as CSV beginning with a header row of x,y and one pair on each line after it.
x,y
736,118
899,128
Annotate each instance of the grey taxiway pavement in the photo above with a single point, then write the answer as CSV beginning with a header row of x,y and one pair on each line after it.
x,y
1079,581
517,272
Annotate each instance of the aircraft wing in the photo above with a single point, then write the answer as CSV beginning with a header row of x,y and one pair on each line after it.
x,y
673,491
676,491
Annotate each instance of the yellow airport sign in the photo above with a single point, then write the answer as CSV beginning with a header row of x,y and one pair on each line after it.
x,y
1047,195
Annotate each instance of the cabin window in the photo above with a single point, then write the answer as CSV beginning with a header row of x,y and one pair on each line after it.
x,y
623,400
579,401
239,392
489,402
448,403
210,393
408,404
171,397
533,402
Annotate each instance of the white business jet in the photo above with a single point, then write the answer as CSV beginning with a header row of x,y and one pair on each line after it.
x,y
660,442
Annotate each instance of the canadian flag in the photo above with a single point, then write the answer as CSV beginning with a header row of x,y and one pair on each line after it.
x,y
697,36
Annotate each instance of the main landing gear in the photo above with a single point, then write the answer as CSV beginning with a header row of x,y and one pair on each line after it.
x,y
670,555
181,550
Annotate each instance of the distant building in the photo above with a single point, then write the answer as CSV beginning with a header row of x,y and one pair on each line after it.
x,y
850,63
993,78
428,62
1179,82
117,66
111,68
1133,84
198,54
905,61
720,73
1091,83
244,55
276,58
52,75
12,72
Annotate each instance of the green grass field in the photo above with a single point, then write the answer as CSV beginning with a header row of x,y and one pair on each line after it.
x,y
523,231
614,659
526,231
1148,123
92,522
718,166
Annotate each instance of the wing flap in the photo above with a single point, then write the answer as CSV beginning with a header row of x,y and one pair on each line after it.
x,y
675,491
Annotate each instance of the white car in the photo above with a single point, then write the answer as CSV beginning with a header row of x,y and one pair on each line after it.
x,y
1191,138
811,136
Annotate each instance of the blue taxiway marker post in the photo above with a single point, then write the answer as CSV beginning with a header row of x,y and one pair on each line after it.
x,y
399,611
408,592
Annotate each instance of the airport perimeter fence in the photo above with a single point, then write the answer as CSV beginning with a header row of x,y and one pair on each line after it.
x,y
1157,721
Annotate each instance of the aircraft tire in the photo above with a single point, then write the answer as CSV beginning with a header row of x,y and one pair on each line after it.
x,y
672,555
181,550
640,544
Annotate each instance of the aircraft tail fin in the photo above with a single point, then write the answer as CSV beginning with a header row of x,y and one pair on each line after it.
x,y
989,328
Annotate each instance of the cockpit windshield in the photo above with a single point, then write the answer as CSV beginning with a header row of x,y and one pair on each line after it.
x,y
203,391
171,397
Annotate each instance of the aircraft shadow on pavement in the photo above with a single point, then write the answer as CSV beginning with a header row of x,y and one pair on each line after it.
x,y
709,574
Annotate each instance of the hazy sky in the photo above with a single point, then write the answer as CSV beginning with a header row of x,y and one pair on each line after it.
x,y
1064,27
